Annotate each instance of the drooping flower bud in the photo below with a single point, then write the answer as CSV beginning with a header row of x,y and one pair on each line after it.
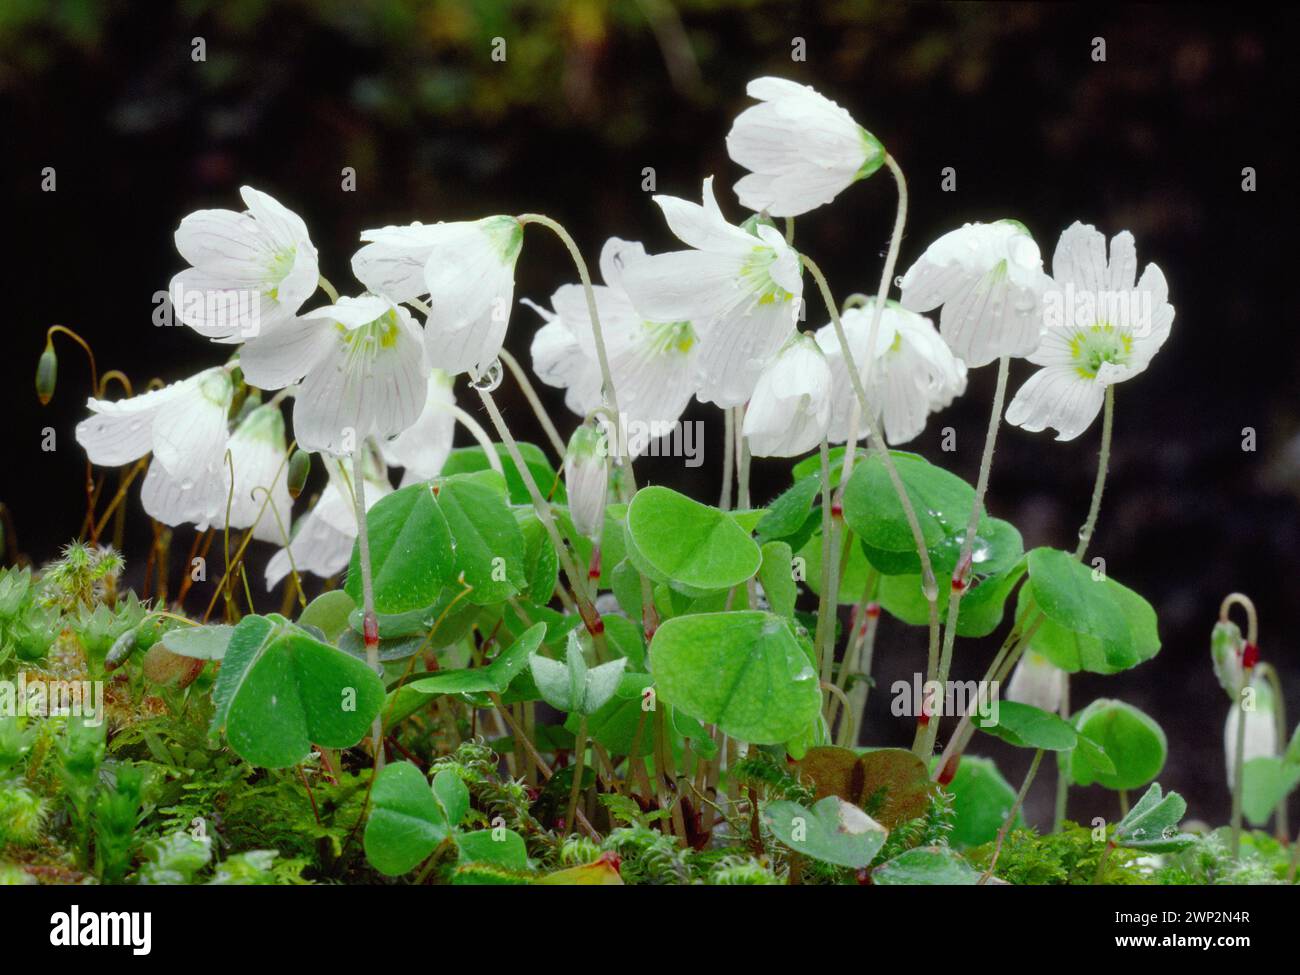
x,y
47,371
1226,646
1260,738
1038,682
586,477
299,468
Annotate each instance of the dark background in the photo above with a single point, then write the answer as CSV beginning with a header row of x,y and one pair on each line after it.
x,y
1153,140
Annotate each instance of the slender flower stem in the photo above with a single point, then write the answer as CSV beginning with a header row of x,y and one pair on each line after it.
x,y
1282,829
1238,775
540,505
324,284
579,757
882,294
928,584
480,435
1103,467
728,457
607,378
1062,769
961,574
1252,617
825,648
1011,816
743,457
530,394
1085,538
1003,661
626,482
370,625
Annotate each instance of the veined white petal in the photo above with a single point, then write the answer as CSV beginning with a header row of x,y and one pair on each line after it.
x,y
470,273
120,431
615,256
227,245
216,310
735,349
423,447
1056,397
258,456
371,382
790,409
175,502
189,436
702,226
471,349
392,263
1080,259
803,148
280,358
695,286
284,227
560,361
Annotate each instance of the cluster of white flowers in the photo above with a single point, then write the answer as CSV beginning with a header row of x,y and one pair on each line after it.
x,y
717,320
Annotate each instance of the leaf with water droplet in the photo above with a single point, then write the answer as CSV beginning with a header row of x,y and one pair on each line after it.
x,y
744,671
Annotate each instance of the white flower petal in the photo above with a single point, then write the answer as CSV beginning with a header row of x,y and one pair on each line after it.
x,y
120,431
371,382
1059,398
189,436
423,447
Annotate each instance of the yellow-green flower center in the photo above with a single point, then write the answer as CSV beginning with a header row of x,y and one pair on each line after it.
x,y
1095,345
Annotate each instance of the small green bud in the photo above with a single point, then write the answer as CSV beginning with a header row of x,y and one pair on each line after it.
x,y
299,468
1226,645
47,372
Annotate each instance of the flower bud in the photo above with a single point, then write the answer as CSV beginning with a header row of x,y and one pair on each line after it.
x,y
586,476
1038,682
299,468
1226,647
47,371
1260,728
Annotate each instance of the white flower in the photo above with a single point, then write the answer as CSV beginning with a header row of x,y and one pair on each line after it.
x,y
467,269
586,479
741,291
802,148
1038,682
423,447
259,458
791,406
251,271
362,370
653,364
912,372
323,538
989,278
1100,328
185,426
1261,729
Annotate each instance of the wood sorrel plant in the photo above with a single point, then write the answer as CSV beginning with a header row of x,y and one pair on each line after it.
x,y
657,675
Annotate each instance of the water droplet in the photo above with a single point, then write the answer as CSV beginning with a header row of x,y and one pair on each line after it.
x,y
931,590
489,379
898,282
980,552
1083,532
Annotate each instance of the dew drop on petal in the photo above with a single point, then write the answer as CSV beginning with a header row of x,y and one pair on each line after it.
x,y
489,379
